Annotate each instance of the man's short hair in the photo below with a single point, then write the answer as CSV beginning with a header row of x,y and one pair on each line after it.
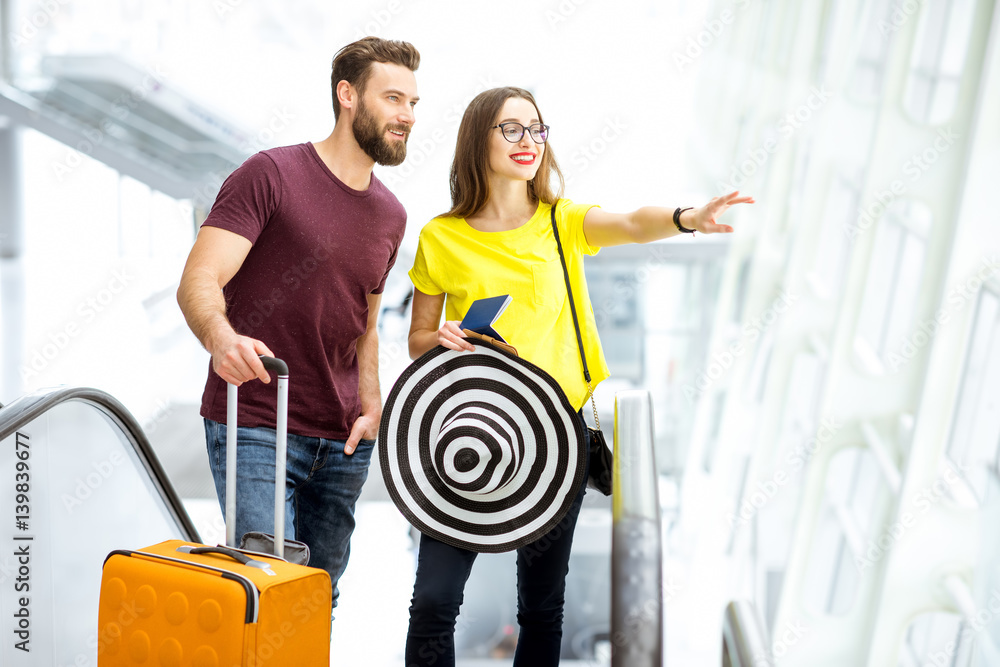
x,y
353,62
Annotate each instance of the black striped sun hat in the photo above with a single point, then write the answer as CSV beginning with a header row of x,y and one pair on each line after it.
x,y
481,449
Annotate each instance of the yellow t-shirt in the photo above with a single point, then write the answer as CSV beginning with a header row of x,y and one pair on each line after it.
x,y
467,264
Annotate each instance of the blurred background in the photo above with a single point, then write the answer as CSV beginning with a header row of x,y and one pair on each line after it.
x,y
824,381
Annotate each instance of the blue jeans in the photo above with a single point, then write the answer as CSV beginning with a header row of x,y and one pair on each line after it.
x,y
321,488
438,591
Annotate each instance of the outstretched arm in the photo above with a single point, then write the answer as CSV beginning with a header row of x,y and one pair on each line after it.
x,y
650,223
215,258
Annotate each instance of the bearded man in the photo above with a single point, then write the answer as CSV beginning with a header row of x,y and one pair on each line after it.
x,y
291,262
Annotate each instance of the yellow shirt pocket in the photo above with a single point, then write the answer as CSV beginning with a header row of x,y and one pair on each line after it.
x,y
550,286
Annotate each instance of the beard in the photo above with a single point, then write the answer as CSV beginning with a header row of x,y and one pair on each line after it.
x,y
371,137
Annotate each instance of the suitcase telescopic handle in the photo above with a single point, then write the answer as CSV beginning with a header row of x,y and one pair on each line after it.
x,y
280,368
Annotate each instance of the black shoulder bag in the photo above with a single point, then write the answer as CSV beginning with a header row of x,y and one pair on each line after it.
x,y
601,460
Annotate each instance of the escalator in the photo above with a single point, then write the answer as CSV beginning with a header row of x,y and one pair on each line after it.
x,y
79,479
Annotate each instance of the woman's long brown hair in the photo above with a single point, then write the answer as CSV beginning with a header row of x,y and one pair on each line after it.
x,y
469,180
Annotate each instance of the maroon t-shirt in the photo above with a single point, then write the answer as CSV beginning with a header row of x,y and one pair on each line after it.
x,y
319,249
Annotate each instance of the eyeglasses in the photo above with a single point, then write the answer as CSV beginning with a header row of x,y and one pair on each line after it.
x,y
513,132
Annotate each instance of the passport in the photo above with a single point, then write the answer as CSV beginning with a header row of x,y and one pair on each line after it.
x,y
483,313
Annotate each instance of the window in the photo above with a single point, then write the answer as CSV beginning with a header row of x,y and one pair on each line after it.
x,y
615,292
711,444
797,189
937,638
975,432
866,83
788,20
938,59
740,296
843,540
765,32
798,421
134,206
655,305
760,367
885,325
841,208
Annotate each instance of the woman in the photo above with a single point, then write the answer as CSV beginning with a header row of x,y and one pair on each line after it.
x,y
497,239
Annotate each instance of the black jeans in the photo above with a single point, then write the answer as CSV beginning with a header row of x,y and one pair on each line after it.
x,y
438,591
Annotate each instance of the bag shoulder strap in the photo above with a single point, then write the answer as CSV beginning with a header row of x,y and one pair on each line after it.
x,y
569,290
576,322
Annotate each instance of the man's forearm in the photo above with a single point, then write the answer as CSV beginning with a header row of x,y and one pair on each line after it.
x,y
204,307
368,384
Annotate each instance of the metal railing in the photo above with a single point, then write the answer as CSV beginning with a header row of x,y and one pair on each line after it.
x,y
636,554
744,640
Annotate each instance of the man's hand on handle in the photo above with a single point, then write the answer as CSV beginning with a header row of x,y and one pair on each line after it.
x,y
236,359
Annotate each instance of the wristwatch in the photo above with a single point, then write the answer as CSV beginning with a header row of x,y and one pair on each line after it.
x,y
677,220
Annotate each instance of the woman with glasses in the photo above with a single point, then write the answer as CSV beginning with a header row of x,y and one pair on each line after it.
x,y
498,239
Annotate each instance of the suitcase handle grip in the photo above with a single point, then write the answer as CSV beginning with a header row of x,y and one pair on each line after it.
x,y
232,553
235,555
279,367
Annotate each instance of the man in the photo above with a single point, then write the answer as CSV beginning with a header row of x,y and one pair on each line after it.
x,y
291,262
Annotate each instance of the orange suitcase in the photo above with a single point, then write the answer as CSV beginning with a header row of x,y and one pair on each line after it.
x,y
179,604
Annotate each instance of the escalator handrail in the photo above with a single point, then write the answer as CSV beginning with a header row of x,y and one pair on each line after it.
x,y
25,409
744,639
636,550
